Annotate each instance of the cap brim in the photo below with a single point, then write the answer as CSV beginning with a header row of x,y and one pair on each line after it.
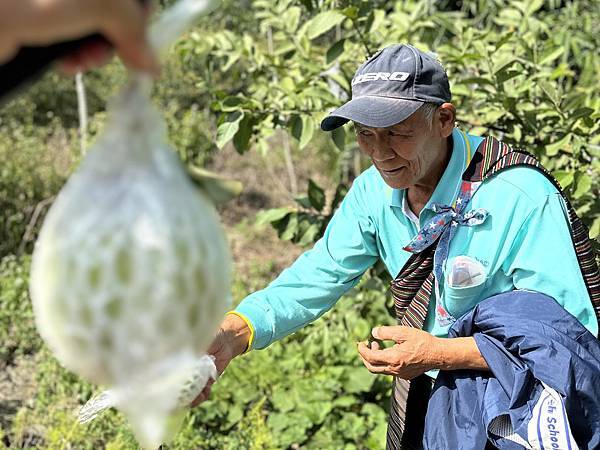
x,y
372,111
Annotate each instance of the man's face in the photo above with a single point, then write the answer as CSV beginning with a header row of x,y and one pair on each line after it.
x,y
403,153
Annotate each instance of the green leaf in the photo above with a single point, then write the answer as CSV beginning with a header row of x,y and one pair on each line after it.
x,y
309,235
581,112
308,129
334,51
308,4
552,55
345,401
503,63
507,37
228,128
377,436
323,22
282,400
235,413
477,80
316,195
584,184
340,192
218,189
505,75
278,422
351,12
303,201
287,84
271,215
341,80
291,228
292,18
339,138
564,177
359,380
533,6
563,144
595,228
302,128
241,140
550,91
231,104
232,58
378,19
289,427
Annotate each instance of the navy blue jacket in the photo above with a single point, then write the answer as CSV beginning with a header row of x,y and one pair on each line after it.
x,y
544,380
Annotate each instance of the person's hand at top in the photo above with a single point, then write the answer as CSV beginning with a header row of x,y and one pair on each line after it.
x,y
44,22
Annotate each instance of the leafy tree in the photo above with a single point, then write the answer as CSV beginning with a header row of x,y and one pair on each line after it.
x,y
525,72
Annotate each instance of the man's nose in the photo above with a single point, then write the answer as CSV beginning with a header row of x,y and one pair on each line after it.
x,y
381,150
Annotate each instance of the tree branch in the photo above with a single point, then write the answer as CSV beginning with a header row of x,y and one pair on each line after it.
x,y
28,235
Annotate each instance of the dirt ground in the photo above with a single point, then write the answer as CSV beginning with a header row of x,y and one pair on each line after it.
x,y
17,389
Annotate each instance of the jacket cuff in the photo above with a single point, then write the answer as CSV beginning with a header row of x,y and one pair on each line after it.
x,y
257,319
249,324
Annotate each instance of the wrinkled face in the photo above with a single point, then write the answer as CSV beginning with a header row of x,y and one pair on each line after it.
x,y
405,153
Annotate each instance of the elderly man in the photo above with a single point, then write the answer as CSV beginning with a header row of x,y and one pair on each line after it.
x,y
449,232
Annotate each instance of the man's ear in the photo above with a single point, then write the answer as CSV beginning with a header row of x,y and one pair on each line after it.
x,y
446,117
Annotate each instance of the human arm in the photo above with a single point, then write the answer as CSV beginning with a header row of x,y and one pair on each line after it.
x,y
319,277
416,352
305,290
43,22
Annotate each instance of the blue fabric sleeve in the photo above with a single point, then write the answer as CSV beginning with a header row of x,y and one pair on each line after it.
x,y
319,277
542,259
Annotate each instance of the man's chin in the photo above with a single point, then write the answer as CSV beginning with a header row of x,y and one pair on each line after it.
x,y
395,182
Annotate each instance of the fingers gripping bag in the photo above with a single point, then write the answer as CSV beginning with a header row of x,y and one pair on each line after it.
x,y
130,275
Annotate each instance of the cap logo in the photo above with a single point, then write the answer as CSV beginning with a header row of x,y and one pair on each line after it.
x,y
384,76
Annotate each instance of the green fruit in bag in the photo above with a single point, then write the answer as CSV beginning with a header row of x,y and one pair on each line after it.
x,y
130,275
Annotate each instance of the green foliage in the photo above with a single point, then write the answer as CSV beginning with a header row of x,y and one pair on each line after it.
x,y
51,419
524,71
306,224
307,391
29,178
17,328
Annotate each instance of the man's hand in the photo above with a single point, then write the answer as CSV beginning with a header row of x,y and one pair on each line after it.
x,y
43,22
231,340
416,351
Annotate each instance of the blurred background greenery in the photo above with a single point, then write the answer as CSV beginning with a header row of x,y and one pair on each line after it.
x,y
243,94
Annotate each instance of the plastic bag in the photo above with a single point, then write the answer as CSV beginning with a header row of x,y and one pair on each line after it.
x,y
466,272
131,272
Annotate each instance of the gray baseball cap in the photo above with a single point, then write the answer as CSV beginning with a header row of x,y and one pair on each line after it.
x,y
390,86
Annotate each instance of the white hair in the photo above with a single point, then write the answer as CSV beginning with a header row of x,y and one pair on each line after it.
x,y
427,111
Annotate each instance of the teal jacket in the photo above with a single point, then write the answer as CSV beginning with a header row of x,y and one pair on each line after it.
x,y
524,244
